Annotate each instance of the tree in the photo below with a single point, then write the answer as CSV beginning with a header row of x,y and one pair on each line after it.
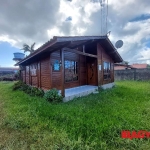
x,y
126,62
28,48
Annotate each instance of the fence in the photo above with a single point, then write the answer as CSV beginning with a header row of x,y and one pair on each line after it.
x,y
132,74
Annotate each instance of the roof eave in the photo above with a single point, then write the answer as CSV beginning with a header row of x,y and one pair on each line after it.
x,y
115,50
78,38
68,39
39,50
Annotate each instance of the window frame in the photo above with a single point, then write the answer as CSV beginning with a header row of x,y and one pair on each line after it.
x,y
58,65
75,70
106,70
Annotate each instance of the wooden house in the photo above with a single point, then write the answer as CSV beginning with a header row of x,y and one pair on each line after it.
x,y
68,62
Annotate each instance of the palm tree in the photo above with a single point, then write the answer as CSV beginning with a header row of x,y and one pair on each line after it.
x,y
28,48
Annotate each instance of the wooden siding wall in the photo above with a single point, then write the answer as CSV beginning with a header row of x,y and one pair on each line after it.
x,y
39,74
83,70
33,78
34,81
56,75
23,75
103,56
42,78
27,75
45,73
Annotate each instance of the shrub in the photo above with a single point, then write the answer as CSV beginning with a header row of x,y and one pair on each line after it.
x,y
24,88
1,78
53,96
28,90
33,91
39,93
18,85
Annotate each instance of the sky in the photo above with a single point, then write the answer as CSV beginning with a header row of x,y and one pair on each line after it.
x,y
38,21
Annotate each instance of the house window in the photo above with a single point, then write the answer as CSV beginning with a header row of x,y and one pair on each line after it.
x,y
106,70
56,65
33,70
27,69
71,70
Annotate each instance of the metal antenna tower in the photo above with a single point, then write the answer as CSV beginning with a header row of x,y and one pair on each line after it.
x,y
104,16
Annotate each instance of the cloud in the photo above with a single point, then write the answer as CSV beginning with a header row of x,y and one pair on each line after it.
x,y
38,21
141,17
28,21
6,38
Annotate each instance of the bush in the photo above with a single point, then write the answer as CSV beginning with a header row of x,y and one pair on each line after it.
x,y
28,90
53,96
37,92
1,78
18,85
25,88
33,91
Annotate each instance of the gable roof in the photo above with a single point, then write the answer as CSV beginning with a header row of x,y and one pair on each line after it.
x,y
73,42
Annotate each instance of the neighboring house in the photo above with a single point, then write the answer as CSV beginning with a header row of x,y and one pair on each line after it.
x,y
140,66
8,70
118,66
68,62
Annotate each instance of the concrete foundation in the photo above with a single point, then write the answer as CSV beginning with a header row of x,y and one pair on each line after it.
x,y
108,86
79,92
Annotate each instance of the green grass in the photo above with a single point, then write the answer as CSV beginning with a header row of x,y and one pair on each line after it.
x,y
94,122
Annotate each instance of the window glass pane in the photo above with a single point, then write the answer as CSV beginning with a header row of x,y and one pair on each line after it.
x,y
106,70
33,70
56,65
71,68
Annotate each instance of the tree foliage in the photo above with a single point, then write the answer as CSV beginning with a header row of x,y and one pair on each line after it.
x,y
28,48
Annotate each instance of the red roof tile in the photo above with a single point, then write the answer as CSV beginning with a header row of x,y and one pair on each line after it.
x,y
120,67
139,66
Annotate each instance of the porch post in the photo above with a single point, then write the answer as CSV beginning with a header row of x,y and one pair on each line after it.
x,y
62,73
98,77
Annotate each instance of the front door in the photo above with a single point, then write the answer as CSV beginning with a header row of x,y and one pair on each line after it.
x,y
92,71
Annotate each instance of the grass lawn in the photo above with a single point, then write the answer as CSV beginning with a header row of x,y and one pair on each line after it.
x,y
94,122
